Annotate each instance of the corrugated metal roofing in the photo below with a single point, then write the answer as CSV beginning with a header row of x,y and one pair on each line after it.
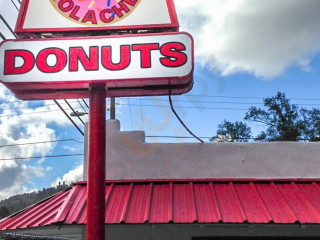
x,y
181,202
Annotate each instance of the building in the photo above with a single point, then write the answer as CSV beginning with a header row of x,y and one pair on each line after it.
x,y
191,191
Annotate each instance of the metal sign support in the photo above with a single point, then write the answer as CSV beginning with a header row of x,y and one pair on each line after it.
x,y
96,164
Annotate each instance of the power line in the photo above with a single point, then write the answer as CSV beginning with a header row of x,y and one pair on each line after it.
x,y
74,111
15,5
30,143
2,36
36,106
216,108
8,26
81,106
85,103
137,105
17,114
39,157
130,112
182,123
159,136
69,117
141,114
162,100
218,102
215,96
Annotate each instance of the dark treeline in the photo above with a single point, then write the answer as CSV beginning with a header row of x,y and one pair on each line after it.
x,y
16,203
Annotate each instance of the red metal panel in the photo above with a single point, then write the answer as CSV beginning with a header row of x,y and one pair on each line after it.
x,y
78,209
252,204
161,203
68,203
311,192
117,203
36,211
276,205
228,200
45,215
183,204
46,219
138,208
299,204
206,203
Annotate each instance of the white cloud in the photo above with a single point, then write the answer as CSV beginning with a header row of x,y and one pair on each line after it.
x,y
260,37
20,124
70,149
73,175
13,179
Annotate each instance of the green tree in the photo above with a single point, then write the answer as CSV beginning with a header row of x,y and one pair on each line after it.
x,y
283,120
232,132
4,212
311,124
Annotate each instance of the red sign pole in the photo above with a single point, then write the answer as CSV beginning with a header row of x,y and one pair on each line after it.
x,y
96,164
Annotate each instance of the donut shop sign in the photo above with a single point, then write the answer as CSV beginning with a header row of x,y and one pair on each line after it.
x,y
127,65
67,46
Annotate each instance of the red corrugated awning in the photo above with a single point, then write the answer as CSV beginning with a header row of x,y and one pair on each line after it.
x,y
184,201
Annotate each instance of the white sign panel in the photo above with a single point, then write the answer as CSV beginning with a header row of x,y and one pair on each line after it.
x,y
117,61
101,58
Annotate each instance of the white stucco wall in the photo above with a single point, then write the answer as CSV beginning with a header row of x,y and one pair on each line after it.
x,y
129,157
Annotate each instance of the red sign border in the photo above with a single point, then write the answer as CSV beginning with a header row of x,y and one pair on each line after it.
x,y
21,31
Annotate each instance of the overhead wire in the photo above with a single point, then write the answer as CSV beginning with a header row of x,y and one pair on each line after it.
x,y
162,106
36,106
31,143
76,126
180,120
2,36
75,113
85,103
17,114
219,102
160,100
130,112
141,114
81,106
15,5
168,136
224,96
8,26
39,157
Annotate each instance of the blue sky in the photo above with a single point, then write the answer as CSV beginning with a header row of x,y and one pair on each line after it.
x,y
244,50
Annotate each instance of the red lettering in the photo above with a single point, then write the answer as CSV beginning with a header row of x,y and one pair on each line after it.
x,y
10,62
90,16
64,8
77,54
74,12
119,10
103,16
131,2
106,58
145,53
173,55
61,60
